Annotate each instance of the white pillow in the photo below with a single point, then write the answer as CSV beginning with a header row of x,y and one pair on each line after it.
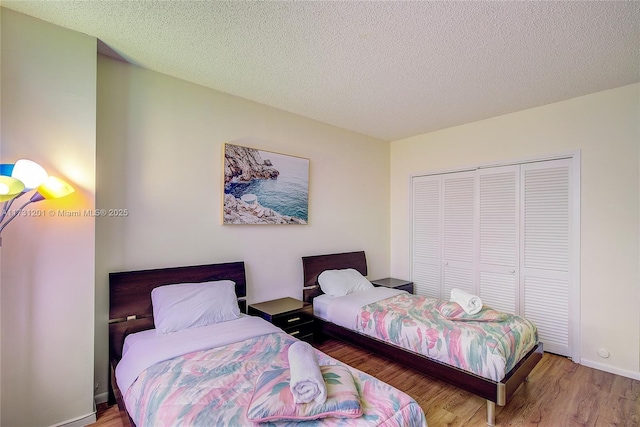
x,y
339,283
191,305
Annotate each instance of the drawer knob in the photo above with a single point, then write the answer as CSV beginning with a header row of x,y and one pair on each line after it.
x,y
293,319
294,332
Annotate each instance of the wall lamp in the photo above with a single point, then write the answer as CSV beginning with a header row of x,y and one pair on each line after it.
x,y
21,178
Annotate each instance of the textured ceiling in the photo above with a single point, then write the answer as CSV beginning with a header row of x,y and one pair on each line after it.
x,y
385,69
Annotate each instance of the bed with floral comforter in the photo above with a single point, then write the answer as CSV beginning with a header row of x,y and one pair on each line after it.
x,y
488,344
214,386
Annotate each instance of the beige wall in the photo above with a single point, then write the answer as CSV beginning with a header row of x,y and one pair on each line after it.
x,y
47,278
159,153
605,128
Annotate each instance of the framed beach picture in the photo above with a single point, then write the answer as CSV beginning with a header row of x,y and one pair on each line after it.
x,y
263,187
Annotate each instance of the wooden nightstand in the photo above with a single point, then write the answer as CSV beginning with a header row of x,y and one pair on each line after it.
x,y
390,282
293,316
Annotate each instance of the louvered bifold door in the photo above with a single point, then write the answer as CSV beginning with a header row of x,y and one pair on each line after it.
x,y
498,229
426,235
459,201
545,251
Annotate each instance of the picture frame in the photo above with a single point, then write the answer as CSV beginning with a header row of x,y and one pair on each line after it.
x,y
264,187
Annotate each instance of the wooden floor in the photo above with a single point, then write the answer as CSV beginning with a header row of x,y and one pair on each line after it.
x,y
559,393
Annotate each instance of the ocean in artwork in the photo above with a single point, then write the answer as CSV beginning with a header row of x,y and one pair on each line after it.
x,y
288,194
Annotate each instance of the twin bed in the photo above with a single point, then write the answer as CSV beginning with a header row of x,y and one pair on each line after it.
x,y
225,370
168,369
488,354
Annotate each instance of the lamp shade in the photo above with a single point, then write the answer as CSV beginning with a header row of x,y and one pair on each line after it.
x,y
10,188
52,188
6,169
29,172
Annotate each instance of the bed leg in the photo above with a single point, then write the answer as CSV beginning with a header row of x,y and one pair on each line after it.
x,y
491,413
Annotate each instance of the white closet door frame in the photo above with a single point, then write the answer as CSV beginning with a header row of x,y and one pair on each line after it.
x,y
575,258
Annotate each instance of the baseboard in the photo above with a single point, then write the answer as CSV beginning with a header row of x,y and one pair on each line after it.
x,y
78,422
610,369
101,398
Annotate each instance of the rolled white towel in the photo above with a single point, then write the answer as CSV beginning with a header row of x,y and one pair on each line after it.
x,y
306,383
470,303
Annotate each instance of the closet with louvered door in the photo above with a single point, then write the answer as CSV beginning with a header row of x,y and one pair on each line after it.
x,y
504,233
443,233
458,229
426,225
498,215
545,251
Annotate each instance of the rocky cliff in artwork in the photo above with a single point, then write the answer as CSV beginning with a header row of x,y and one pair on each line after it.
x,y
242,164
238,212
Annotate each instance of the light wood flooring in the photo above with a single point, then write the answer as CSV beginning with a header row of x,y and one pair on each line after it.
x,y
559,393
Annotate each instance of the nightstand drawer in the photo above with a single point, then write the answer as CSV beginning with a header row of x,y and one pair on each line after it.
x,y
300,331
292,320
291,315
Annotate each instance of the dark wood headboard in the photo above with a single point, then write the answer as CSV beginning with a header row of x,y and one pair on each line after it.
x,y
312,266
130,308
130,291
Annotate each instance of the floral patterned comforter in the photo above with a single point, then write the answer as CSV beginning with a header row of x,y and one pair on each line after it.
x,y
486,348
214,387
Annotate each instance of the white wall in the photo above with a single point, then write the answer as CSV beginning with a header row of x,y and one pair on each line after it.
x,y
605,127
47,279
160,143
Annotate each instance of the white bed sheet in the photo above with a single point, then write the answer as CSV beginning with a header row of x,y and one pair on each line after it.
x,y
131,339
145,349
321,305
344,310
